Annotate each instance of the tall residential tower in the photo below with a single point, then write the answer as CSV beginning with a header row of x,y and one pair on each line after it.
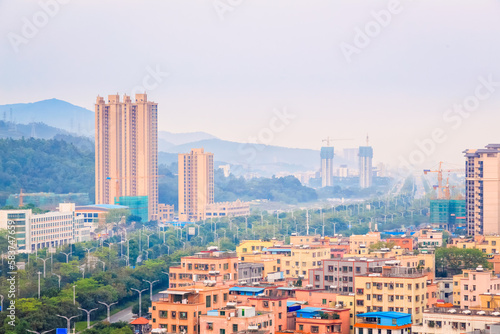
x,y
126,153
482,190
365,165
196,184
327,153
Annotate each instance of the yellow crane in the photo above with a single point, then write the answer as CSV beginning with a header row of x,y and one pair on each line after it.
x,y
443,190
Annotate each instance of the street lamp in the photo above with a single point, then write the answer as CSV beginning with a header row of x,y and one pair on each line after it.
x,y
103,264
140,299
108,306
67,255
88,315
44,260
88,255
74,294
39,273
150,288
59,277
68,320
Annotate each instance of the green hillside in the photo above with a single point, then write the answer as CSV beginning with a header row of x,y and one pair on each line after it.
x,y
38,165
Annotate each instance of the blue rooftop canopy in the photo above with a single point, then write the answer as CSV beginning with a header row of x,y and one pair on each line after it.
x,y
246,289
396,319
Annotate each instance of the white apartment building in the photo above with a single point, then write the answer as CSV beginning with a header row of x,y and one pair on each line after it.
x,y
441,320
51,229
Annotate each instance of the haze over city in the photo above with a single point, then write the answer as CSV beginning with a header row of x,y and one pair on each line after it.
x,y
230,67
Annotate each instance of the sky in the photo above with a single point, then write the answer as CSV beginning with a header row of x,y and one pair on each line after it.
x,y
419,77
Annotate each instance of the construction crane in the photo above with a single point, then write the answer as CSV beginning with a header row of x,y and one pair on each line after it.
x,y
328,140
443,190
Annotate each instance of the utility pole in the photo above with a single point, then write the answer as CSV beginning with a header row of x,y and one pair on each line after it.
x,y
88,315
140,300
108,306
74,294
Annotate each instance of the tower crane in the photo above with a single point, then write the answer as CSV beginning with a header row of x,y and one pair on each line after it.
x,y
328,140
443,190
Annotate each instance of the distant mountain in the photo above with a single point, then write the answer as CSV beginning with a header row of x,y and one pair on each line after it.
x,y
64,121
258,158
184,138
53,112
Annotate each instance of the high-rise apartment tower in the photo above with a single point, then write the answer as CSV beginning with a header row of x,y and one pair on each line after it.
x,y
482,190
126,152
196,184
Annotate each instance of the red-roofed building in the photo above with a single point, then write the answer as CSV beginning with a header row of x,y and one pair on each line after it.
x,y
141,325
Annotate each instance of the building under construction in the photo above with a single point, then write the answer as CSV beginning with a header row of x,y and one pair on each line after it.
x,y
448,214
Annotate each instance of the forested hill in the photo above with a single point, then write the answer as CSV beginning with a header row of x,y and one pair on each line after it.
x,y
38,165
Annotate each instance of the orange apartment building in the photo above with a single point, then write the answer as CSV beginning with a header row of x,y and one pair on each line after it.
x,y
196,184
126,150
405,243
218,267
178,310
234,319
274,304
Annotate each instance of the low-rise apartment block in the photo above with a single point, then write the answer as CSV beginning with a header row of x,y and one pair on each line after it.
x,y
218,267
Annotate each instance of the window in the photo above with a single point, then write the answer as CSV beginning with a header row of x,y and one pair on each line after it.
x,y
279,315
235,328
323,301
215,299
183,315
222,331
174,314
164,314
314,329
301,327
225,297
208,302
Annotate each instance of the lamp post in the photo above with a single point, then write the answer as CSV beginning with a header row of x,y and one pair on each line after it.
x,y
108,306
140,299
44,260
68,320
39,273
67,255
150,288
88,254
40,332
103,264
74,294
88,315
59,277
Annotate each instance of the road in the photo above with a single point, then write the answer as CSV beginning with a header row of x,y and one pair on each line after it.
x,y
126,314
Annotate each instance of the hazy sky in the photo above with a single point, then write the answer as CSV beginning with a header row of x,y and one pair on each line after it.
x,y
233,63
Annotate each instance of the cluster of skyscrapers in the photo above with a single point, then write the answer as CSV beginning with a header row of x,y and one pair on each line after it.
x,y
126,165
